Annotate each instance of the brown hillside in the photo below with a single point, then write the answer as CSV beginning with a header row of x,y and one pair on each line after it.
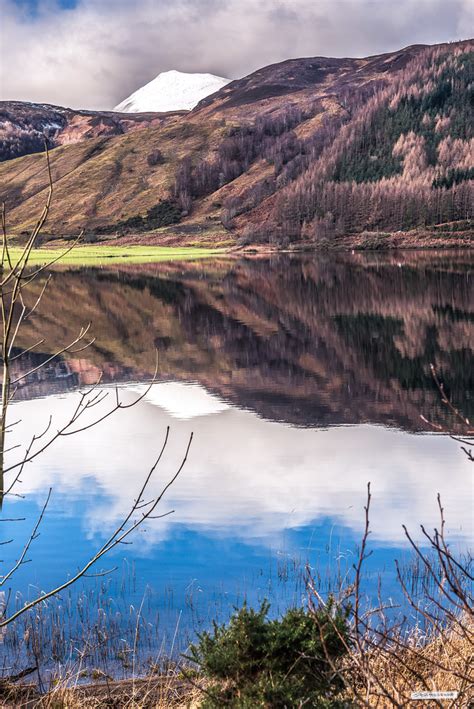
x,y
25,126
305,149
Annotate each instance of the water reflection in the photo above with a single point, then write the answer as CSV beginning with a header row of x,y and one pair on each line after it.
x,y
302,379
246,477
306,341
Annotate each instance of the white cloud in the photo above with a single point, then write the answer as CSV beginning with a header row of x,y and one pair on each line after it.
x,y
95,54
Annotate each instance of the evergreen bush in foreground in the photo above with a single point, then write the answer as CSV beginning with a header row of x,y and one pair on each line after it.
x,y
254,661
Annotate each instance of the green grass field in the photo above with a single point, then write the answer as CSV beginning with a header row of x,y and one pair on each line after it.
x,y
100,255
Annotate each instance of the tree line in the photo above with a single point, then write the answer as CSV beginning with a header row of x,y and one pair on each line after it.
x,y
396,155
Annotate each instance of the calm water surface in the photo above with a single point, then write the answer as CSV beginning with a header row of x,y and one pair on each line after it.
x,y
302,380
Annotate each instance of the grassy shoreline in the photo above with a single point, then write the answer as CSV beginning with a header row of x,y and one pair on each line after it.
x,y
124,251
98,255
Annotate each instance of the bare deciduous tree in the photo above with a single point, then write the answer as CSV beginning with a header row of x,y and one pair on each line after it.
x,y
17,273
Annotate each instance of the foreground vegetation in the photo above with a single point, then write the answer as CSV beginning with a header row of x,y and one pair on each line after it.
x,y
327,654
306,658
255,661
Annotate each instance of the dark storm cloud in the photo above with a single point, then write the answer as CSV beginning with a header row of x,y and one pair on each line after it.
x,y
97,52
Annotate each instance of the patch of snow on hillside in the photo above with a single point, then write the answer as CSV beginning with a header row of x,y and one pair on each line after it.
x,y
172,91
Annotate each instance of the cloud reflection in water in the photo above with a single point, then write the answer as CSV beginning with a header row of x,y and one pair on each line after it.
x,y
247,478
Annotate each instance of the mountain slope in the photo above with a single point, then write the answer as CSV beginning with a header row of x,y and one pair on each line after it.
x,y
296,80
172,91
100,181
24,127
310,150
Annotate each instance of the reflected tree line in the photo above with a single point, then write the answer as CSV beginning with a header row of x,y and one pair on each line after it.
x,y
310,342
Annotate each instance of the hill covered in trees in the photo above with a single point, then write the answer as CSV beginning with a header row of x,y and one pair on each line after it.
x,y
318,151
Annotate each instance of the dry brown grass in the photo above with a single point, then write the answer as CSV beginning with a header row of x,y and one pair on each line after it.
x,y
102,181
385,676
442,663
155,692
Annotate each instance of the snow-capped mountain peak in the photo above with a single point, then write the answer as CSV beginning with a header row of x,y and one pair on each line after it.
x,y
172,91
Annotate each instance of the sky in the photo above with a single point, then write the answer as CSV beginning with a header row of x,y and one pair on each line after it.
x,y
94,53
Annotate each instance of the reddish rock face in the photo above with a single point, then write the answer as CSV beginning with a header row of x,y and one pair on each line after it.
x,y
25,126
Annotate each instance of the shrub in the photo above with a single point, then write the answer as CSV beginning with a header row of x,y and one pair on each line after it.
x,y
156,157
164,213
288,662
90,238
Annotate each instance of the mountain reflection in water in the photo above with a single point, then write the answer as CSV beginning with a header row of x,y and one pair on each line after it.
x,y
267,361
308,341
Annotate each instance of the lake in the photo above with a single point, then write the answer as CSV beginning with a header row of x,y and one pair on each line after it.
x,y
302,378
